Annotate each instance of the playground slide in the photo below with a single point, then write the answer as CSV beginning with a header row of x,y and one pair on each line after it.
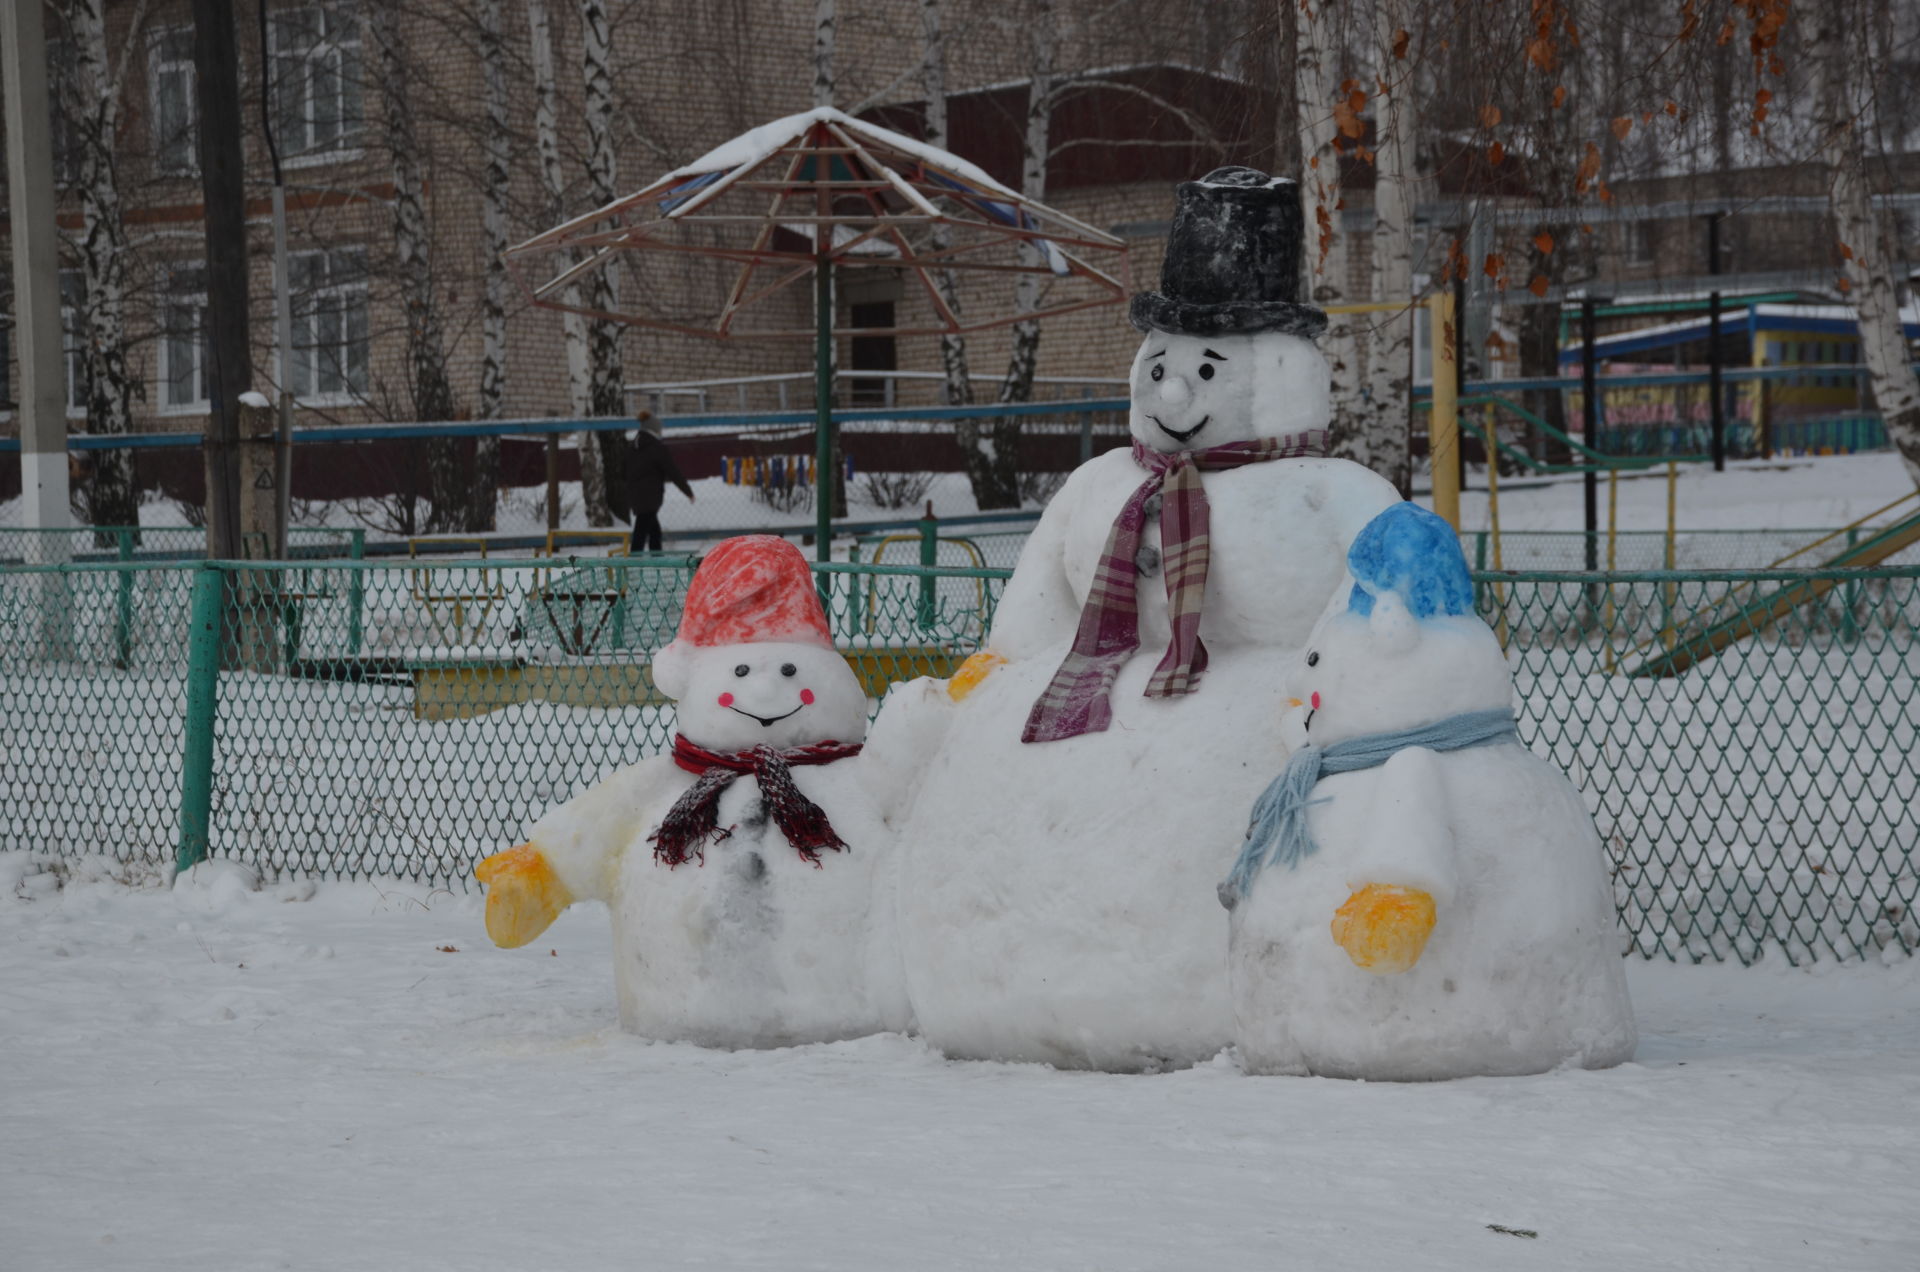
x,y
1760,613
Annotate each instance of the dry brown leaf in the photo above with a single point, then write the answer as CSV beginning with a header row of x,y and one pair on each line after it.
x,y
1622,125
1489,116
1544,241
1496,154
1538,286
1559,96
1401,39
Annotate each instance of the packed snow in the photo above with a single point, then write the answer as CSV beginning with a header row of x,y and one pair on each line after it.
x,y
349,1077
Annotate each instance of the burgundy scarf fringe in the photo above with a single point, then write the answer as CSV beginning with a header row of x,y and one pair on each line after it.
x,y
693,821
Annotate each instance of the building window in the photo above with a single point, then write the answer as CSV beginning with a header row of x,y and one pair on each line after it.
x,y
66,134
330,341
170,76
316,80
73,294
872,353
1639,242
183,340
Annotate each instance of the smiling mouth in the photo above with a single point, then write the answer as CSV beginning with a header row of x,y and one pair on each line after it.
x,y
766,722
1180,435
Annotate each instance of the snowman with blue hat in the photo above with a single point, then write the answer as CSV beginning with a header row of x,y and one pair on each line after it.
x,y
1069,800
1419,896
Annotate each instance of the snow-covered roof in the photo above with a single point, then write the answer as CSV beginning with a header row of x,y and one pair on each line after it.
x,y
756,145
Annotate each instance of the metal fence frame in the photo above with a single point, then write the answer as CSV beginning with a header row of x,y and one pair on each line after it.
x,y
1765,797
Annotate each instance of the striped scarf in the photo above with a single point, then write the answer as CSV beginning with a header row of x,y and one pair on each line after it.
x,y
1277,832
1075,701
693,820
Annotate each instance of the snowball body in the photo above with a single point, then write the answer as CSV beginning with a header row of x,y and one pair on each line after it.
x,y
755,947
1522,971
1056,899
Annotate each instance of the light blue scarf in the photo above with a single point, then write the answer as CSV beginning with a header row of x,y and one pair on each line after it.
x,y
1277,832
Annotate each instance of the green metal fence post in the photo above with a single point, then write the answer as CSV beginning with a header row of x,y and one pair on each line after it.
x,y
123,606
929,556
356,595
1849,597
203,696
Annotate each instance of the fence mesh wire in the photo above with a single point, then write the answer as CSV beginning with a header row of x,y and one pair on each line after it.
x,y
1747,742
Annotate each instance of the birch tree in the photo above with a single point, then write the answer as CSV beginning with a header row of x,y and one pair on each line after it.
x,y
1380,425
546,133
1840,53
430,390
495,184
91,93
826,22
1325,109
606,395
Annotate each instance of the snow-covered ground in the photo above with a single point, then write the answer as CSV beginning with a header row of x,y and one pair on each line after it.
x,y
351,1077
1785,493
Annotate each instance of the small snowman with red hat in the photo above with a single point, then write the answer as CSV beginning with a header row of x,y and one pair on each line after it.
x,y
741,870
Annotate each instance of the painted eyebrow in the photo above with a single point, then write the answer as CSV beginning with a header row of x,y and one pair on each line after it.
x,y
1161,354
1217,357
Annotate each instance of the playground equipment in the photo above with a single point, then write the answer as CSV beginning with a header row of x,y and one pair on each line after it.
x,y
1756,615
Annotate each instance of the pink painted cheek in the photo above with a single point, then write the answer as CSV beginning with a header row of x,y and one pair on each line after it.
x,y
1316,700
726,699
806,697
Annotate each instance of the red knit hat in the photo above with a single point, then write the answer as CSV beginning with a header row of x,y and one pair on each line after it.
x,y
756,588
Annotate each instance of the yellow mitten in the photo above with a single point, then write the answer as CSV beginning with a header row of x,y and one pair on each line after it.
x,y
524,896
976,669
1384,928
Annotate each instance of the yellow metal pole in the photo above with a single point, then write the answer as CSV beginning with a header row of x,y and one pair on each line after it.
x,y
1493,523
1443,423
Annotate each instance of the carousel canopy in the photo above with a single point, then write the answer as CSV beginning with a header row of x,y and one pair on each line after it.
x,y
776,203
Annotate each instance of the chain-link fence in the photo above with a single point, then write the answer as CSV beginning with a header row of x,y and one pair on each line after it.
x,y
1637,550
1747,742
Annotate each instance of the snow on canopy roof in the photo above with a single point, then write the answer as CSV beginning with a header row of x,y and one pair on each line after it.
x,y
756,145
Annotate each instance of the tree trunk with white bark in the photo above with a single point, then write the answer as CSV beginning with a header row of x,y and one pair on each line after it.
x,y
1318,50
606,395
826,22
1381,421
933,80
546,139
91,95
1002,487
1839,58
495,185
428,385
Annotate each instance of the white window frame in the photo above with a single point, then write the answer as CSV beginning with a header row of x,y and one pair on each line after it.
x,y
160,65
174,298
346,285
72,357
338,25
1641,249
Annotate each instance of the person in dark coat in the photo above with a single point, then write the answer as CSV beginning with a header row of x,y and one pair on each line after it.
x,y
649,467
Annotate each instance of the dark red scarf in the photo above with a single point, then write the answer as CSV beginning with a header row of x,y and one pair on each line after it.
x,y
693,820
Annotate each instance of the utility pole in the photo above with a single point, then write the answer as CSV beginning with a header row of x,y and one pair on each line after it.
x,y
216,63
1713,347
36,281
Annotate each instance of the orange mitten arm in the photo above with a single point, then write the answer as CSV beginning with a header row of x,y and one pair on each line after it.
x,y
524,896
1384,928
974,670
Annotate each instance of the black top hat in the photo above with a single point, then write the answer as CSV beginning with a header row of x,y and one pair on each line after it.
x,y
1233,261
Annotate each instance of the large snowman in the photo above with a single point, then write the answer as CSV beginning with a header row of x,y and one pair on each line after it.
x,y
1067,818
741,870
1420,896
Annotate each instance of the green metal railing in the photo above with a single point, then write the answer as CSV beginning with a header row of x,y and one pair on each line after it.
x,y
355,719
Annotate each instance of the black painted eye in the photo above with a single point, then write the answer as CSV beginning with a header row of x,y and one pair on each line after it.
x,y
1157,372
1206,371
788,669
741,670
1313,659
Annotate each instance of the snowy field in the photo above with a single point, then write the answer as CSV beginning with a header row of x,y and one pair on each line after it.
x,y
351,1077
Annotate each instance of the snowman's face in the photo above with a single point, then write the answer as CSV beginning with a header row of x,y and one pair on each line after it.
x,y
1192,392
778,695
1387,672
